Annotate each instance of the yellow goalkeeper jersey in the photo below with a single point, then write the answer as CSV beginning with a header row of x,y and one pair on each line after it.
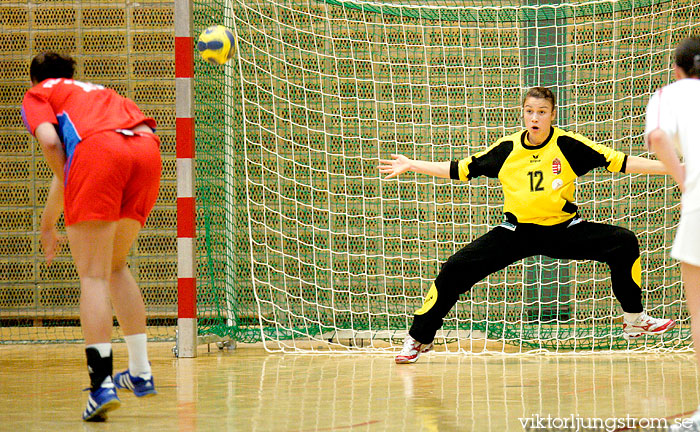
x,y
539,181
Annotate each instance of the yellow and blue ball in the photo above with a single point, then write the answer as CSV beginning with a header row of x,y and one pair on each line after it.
x,y
215,44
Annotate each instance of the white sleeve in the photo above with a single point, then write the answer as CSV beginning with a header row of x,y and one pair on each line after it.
x,y
660,114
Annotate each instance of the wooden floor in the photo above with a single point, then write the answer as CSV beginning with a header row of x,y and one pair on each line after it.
x,y
247,389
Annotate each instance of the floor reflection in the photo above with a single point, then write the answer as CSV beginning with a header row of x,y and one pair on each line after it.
x,y
248,389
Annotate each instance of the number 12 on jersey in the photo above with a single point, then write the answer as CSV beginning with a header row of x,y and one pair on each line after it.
x,y
536,178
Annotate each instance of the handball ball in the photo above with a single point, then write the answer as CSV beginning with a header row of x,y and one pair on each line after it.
x,y
215,44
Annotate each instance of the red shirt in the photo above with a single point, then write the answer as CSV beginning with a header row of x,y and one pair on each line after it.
x,y
79,110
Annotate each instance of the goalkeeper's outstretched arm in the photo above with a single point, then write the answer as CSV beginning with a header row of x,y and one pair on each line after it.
x,y
640,165
399,164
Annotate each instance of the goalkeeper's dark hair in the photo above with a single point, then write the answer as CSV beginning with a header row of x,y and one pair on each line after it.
x,y
688,56
50,64
541,93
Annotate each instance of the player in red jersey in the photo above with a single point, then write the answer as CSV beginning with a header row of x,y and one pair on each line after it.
x,y
106,163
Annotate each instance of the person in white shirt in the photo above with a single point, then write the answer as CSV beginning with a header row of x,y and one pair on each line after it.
x,y
673,127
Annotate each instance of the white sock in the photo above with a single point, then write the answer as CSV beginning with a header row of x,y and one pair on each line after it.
x,y
105,349
138,355
632,317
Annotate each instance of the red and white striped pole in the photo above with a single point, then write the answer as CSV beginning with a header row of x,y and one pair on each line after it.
x,y
186,225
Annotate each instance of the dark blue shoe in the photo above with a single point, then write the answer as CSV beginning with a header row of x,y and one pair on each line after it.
x,y
99,402
141,387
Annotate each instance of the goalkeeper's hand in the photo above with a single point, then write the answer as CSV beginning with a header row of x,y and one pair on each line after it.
x,y
397,165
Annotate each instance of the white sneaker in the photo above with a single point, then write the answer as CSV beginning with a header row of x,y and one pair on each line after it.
x,y
691,424
411,350
646,325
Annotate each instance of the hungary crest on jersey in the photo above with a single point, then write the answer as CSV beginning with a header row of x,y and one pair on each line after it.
x,y
556,166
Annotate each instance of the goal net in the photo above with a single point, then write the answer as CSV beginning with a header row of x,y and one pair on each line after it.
x,y
304,246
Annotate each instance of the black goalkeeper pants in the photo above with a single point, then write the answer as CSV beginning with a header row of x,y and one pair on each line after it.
x,y
577,239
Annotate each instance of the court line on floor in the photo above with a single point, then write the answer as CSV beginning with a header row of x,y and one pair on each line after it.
x,y
367,423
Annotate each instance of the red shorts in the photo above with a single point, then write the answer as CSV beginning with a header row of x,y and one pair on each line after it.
x,y
113,176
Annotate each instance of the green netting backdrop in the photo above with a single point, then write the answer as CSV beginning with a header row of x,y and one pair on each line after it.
x,y
299,238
